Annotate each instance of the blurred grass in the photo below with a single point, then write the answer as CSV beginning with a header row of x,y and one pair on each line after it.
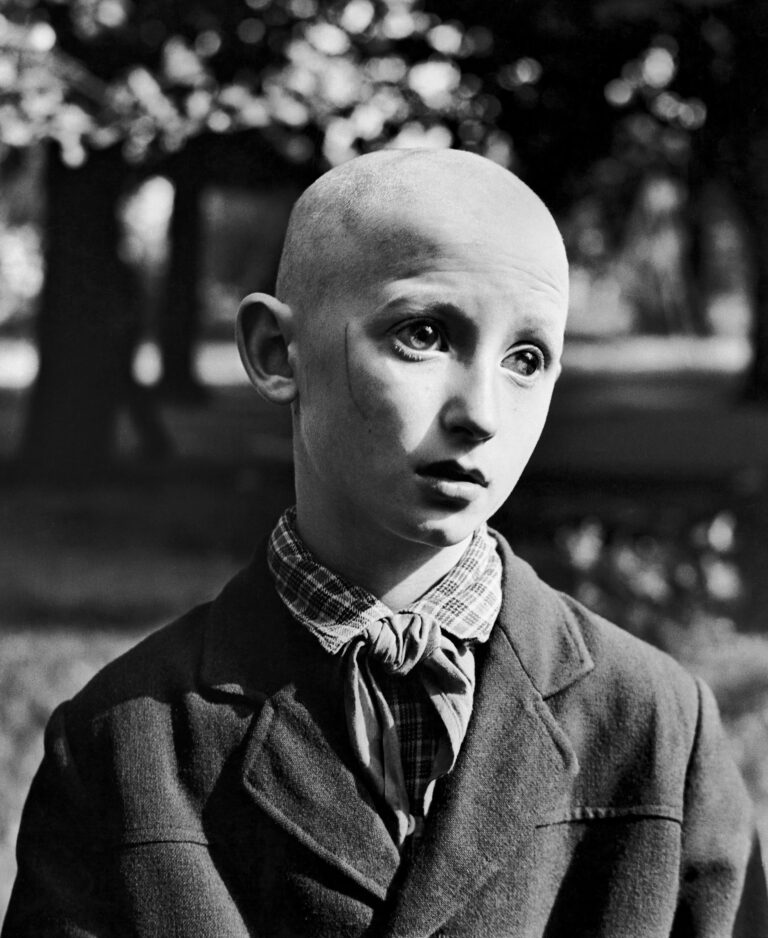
x,y
38,669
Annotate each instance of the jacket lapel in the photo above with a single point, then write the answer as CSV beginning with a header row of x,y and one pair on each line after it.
x,y
515,764
297,772
298,766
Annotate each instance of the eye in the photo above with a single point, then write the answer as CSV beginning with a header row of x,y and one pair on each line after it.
x,y
421,336
526,362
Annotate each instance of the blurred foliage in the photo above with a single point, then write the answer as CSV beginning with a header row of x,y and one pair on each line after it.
x,y
20,270
668,590
625,83
599,104
680,565
331,78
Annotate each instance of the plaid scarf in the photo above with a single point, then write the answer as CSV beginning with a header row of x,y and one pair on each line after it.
x,y
394,725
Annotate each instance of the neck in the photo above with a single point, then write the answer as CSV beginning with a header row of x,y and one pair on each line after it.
x,y
396,571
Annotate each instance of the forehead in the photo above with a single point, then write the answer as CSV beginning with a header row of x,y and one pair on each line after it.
x,y
426,260
450,220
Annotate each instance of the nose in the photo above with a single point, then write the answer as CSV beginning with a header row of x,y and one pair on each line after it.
x,y
471,409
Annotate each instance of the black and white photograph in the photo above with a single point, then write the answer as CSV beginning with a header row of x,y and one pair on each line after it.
x,y
383,468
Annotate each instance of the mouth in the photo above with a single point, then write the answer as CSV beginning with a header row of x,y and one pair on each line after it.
x,y
451,477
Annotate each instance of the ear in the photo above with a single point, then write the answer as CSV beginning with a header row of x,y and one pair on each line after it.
x,y
264,338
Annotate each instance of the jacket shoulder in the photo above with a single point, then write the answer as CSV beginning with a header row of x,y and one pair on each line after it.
x,y
161,667
630,666
635,719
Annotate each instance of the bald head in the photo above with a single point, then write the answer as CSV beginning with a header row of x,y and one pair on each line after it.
x,y
420,318
368,216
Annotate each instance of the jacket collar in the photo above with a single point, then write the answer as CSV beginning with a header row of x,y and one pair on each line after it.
x,y
252,646
541,626
300,770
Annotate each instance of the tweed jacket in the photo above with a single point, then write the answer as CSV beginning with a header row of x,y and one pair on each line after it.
x,y
204,785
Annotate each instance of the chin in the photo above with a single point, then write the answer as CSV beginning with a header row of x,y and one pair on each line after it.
x,y
448,530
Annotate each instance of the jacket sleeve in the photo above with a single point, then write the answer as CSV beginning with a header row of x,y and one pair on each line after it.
x,y
59,888
722,880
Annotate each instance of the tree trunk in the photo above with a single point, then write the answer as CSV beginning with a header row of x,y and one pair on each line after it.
x,y
756,388
659,281
746,166
87,324
180,312
734,144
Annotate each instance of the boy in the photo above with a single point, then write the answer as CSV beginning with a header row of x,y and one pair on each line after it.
x,y
387,725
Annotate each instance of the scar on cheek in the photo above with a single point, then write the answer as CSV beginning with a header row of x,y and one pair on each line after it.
x,y
348,372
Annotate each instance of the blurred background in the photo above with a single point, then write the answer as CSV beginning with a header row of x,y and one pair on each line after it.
x,y
150,152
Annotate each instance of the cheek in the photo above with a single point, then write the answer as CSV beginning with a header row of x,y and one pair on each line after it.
x,y
392,407
522,428
350,417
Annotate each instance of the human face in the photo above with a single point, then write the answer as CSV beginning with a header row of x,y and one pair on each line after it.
x,y
421,398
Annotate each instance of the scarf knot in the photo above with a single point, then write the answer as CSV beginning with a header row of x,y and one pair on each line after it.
x,y
400,641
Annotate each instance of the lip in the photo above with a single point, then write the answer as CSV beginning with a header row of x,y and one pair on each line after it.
x,y
450,470
451,480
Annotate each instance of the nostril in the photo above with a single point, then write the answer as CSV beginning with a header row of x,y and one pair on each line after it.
x,y
474,430
476,418
473,426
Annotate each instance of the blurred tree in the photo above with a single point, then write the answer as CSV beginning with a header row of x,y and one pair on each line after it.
x,y
116,89
734,142
696,100
87,326
245,159
633,105
597,99
602,101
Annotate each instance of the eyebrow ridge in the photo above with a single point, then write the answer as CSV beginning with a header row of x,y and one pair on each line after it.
x,y
451,309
